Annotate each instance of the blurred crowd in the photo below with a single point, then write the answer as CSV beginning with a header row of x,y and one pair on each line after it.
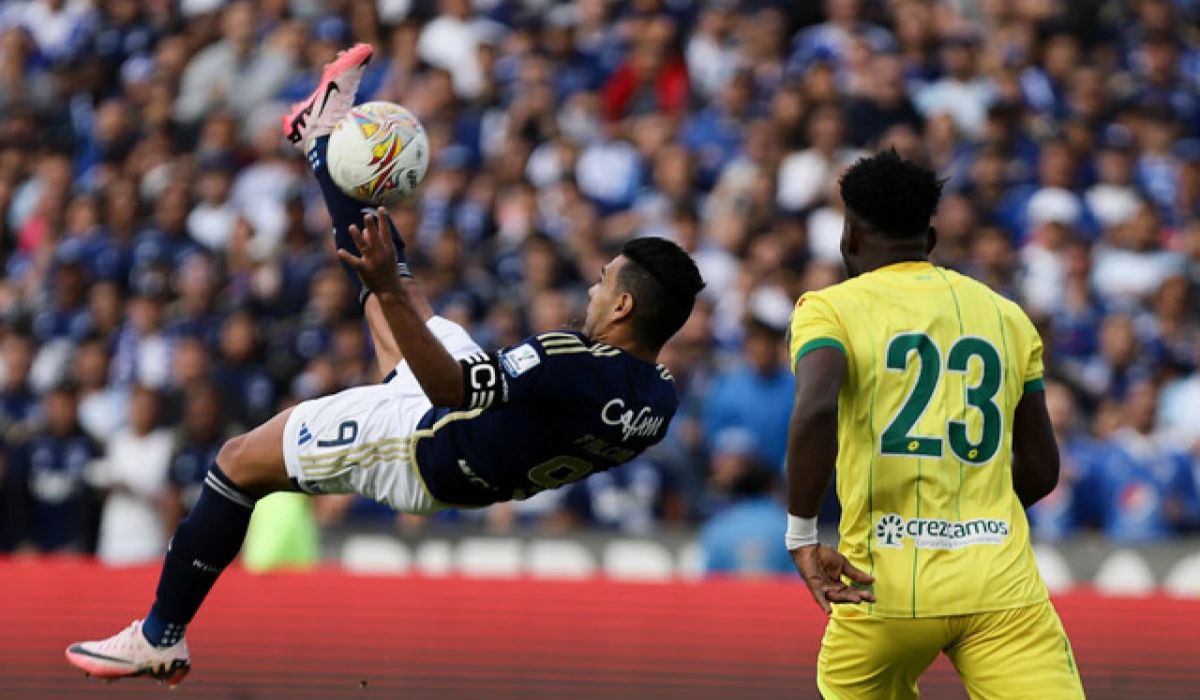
x,y
169,278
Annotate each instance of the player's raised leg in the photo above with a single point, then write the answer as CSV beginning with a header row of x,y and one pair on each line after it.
x,y
307,127
248,467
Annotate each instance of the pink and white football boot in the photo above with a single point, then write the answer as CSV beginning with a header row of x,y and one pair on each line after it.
x,y
127,654
333,98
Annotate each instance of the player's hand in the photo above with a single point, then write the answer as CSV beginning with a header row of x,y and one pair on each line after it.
x,y
377,264
822,568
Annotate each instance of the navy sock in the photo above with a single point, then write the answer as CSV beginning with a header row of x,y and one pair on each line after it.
x,y
205,543
344,210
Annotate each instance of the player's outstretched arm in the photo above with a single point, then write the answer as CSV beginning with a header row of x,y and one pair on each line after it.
x,y
811,458
1035,451
439,374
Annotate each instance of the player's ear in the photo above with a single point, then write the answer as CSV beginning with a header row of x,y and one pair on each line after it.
x,y
930,240
624,307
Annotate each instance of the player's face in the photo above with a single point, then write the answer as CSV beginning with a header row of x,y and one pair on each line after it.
x,y
602,298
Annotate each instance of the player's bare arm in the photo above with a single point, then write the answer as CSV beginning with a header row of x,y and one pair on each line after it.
x,y
402,305
812,456
1035,452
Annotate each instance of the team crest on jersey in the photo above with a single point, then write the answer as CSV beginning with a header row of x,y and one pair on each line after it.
x,y
934,533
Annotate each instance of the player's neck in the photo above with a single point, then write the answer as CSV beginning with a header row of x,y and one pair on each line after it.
x,y
884,258
620,342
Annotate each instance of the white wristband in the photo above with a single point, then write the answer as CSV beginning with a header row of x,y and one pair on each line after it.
x,y
801,532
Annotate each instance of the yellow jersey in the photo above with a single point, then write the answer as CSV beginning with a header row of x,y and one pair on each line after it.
x,y
935,365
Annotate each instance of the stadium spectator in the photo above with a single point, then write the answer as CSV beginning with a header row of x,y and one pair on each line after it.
x,y
743,539
653,77
133,475
260,69
143,354
103,407
196,442
51,507
805,176
1066,508
1142,485
715,135
18,403
834,39
755,395
712,50
239,374
964,92
884,104
1131,263
636,498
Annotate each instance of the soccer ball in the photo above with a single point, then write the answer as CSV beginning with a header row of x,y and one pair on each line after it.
x,y
378,153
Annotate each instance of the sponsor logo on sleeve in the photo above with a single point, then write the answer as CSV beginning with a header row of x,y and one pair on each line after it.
x,y
519,360
933,533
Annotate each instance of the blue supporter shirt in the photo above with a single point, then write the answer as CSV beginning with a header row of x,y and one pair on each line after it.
x,y
562,407
628,498
1068,506
762,404
49,473
1141,489
747,538
189,465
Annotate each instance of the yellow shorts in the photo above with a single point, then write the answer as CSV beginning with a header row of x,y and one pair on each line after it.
x,y
1003,655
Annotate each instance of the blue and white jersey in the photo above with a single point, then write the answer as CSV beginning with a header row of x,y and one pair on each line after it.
x,y
51,475
542,414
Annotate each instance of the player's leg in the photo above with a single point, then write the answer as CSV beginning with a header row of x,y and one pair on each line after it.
x,y
248,467
307,127
1018,653
864,657
345,212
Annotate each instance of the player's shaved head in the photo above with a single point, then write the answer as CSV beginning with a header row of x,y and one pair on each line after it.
x,y
663,281
894,197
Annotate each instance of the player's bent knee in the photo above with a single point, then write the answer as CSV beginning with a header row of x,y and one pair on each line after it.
x,y
231,459
239,461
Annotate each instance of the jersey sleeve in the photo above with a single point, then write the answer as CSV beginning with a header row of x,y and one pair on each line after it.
x,y
1034,368
536,368
815,324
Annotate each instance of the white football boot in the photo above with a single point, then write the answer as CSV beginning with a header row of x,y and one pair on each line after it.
x,y
127,654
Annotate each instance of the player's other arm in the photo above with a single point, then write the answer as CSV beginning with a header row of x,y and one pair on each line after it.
x,y
406,310
811,458
1035,452
812,433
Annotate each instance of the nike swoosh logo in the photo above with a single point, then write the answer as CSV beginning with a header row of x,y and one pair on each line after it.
x,y
333,87
76,649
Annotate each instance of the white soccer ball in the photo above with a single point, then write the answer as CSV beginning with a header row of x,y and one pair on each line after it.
x,y
378,153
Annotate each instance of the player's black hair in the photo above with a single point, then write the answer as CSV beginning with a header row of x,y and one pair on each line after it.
x,y
664,282
896,197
